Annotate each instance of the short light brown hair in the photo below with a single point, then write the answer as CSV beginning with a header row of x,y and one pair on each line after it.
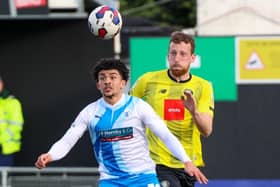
x,y
177,37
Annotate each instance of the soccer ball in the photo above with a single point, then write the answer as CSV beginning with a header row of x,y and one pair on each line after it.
x,y
105,22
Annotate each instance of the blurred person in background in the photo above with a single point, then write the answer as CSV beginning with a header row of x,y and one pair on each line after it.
x,y
185,102
11,124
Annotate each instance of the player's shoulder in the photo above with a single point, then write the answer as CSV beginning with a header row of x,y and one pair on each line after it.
x,y
154,74
93,105
139,104
200,79
157,72
136,100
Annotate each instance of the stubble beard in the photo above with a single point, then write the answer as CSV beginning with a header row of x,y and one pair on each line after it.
x,y
178,72
108,95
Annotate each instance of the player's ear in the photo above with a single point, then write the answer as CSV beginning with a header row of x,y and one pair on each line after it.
x,y
97,85
123,83
193,57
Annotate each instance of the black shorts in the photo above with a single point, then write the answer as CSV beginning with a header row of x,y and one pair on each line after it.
x,y
174,177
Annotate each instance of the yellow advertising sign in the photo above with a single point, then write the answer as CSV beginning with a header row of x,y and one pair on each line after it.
x,y
258,59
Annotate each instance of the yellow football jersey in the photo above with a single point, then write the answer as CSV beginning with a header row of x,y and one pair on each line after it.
x,y
163,94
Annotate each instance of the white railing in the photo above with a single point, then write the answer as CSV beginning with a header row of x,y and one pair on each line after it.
x,y
49,177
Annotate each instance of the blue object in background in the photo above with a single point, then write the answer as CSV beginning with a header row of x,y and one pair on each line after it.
x,y
241,183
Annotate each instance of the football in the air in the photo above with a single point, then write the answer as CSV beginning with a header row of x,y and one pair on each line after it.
x,y
105,22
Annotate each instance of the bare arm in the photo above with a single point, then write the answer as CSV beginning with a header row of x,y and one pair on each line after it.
x,y
204,121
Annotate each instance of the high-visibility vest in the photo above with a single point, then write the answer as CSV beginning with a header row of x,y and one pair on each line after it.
x,y
11,124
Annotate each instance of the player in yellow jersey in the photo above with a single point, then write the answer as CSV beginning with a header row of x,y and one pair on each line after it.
x,y
185,102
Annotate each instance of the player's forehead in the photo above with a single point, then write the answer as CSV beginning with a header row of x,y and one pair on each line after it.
x,y
179,45
109,72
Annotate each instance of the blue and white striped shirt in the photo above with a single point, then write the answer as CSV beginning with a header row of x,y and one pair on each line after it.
x,y
118,135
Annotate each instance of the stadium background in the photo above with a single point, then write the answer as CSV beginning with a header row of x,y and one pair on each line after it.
x,y
47,65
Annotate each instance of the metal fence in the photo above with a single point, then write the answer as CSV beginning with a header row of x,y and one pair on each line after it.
x,y
49,177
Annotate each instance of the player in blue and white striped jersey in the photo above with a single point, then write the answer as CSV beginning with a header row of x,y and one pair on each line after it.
x,y
117,125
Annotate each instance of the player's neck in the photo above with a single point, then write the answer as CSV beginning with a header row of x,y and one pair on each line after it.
x,y
113,99
179,78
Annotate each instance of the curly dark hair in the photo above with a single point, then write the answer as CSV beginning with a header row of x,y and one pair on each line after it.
x,y
109,64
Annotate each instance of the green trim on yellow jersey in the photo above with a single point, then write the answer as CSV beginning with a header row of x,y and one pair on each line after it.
x,y
163,94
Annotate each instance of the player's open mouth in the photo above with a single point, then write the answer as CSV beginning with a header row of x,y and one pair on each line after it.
x,y
108,89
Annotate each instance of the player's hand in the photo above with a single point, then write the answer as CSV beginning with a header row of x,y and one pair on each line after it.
x,y
43,160
189,101
192,170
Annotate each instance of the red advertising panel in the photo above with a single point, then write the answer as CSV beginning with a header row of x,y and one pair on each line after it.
x,y
31,7
30,3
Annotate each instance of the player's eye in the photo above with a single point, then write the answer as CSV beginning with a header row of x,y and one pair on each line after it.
x,y
173,53
114,77
183,54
